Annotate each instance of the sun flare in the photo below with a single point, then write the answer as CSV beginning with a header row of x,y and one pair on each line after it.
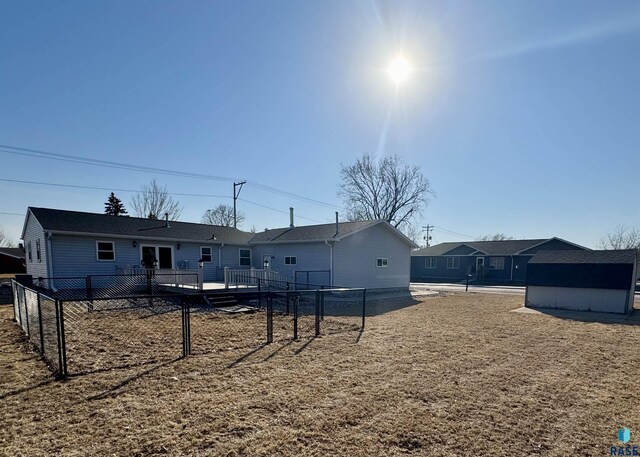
x,y
399,70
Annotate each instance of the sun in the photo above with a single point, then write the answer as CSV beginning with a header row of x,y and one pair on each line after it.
x,y
399,70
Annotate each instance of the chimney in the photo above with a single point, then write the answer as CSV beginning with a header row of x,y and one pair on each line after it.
x,y
337,226
291,218
166,220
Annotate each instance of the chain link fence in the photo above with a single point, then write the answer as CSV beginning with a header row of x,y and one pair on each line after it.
x,y
81,330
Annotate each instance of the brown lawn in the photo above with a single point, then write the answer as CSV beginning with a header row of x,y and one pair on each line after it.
x,y
453,375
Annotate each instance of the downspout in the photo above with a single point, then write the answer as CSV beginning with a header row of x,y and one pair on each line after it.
x,y
511,268
219,257
330,262
48,235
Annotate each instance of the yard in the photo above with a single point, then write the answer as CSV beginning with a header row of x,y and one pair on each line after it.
x,y
453,375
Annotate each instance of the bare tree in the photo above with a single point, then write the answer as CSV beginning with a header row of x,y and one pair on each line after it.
x,y
384,189
222,215
621,238
494,237
154,201
5,241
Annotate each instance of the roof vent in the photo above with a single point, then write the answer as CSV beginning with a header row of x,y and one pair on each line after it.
x,y
213,236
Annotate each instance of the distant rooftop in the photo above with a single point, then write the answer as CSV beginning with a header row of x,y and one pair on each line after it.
x,y
627,256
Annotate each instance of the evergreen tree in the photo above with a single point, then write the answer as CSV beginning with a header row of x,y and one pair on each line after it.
x,y
114,206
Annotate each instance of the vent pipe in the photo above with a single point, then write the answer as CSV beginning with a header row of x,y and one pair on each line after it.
x,y
337,226
291,217
166,220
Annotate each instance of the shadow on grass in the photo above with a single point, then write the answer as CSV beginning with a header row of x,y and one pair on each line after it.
x,y
247,355
274,353
304,346
382,305
27,389
112,391
632,319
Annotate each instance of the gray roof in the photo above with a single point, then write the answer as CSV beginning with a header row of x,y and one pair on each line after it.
x,y
506,247
310,232
13,252
57,220
627,256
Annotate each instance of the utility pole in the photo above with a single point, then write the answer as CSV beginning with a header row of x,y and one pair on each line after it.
x,y
235,197
427,228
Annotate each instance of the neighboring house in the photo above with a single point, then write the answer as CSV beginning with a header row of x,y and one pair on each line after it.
x,y
602,281
491,261
62,243
12,260
371,254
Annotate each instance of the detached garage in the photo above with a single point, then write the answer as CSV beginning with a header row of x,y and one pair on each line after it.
x,y
601,281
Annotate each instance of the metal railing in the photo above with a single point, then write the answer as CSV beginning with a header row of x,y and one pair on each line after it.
x,y
251,277
182,277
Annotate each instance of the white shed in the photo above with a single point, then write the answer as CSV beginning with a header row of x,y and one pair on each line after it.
x,y
601,281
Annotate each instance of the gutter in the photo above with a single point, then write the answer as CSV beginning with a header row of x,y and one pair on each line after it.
x,y
220,255
49,235
135,237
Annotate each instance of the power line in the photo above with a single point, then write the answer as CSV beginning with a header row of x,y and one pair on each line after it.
x,y
13,214
109,189
124,166
451,232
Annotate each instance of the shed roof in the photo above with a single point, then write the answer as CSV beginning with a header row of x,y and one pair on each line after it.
x,y
13,252
63,221
627,256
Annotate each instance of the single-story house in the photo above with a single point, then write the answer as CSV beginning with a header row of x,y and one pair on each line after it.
x,y
491,261
602,281
60,243
12,260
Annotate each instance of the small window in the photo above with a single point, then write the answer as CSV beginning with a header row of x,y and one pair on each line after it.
x,y
291,260
382,262
453,263
245,257
205,254
38,253
496,263
29,251
431,262
105,251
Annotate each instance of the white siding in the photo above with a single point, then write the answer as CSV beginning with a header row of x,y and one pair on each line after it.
x,y
355,260
34,232
577,299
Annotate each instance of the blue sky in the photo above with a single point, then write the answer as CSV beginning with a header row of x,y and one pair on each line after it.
x,y
523,115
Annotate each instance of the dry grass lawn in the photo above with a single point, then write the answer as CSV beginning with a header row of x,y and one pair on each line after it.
x,y
453,375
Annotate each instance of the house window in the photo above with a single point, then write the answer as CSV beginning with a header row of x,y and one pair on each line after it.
x,y
382,262
496,263
105,251
38,254
29,251
245,257
453,263
205,254
431,262
291,260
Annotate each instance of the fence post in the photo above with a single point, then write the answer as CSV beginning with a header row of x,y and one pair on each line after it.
x,y
186,327
269,319
62,348
317,312
89,288
287,299
296,302
322,303
40,325
364,306
26,310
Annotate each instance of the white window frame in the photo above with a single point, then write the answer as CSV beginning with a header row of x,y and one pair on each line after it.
x,y
240,257
210,254
113,250
431,260
290,258
495,265
30,251
38,251
382,262
451,263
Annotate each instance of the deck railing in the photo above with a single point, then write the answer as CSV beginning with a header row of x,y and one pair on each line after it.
x,y
253,277
177,277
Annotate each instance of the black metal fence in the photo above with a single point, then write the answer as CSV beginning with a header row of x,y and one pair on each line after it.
x,y
79,332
